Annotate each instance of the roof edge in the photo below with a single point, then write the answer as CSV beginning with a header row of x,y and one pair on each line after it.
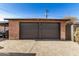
x,y
35,19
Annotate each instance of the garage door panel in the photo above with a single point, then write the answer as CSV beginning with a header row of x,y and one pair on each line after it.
x,y
49,30
29,30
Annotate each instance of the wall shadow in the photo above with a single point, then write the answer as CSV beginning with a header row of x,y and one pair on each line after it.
x,y
17,54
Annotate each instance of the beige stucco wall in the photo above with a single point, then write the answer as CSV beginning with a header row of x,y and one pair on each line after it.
x,y
14,28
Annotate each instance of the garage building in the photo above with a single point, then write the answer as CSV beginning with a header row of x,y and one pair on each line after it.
x,y
37,28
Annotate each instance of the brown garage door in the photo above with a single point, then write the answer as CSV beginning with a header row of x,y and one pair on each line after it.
x,y
29,30
49,30
39,30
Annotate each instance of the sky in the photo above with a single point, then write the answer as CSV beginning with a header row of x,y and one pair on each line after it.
x,y
37,10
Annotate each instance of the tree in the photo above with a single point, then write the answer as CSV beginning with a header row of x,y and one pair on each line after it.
x,y
72,19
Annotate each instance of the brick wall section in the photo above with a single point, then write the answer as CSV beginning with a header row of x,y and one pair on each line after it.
x,y
63,31
14,28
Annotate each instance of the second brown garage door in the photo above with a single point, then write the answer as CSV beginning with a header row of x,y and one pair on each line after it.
x,y
49,30
39,31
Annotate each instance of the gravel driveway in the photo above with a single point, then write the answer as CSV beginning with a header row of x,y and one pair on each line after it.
x,y
41,48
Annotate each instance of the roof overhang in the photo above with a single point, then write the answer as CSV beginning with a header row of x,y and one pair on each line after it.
x,y
36,19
